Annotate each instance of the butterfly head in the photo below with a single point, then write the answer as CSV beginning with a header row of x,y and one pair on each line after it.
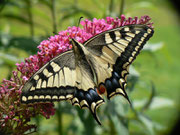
x,y
78,48
75,44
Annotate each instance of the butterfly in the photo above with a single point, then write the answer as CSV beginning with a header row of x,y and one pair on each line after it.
x,y
82,75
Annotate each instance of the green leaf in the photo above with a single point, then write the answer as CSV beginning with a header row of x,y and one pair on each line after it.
x,y
161,102
150,99
9,59
9,4
15,17
117,110
4,39
153,47
76,126
139,103
159,127
132,78
157,103
143,4
45,2
133,72
147,123
27,44
120,127
121,106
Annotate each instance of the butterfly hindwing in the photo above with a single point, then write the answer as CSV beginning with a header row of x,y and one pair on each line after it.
x,y
113,51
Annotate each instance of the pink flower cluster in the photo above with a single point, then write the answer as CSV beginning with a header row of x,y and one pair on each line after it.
x,y
99,25
15,116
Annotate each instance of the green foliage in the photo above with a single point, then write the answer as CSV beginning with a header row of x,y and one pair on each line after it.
x,y
30,22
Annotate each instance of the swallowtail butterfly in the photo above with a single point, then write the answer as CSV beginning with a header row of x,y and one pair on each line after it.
x,y
98,66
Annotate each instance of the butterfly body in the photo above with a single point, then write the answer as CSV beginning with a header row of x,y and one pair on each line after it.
x,y
98,66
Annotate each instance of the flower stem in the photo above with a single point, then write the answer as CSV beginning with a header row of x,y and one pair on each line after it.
x,y
121,7
111,126
30,16
59,115
53,13
37,119
148,103
111,6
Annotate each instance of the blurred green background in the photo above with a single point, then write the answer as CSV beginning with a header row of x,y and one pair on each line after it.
x,y
153,85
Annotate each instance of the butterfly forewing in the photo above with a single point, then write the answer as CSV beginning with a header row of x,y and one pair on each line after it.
x,y
50,83
113,51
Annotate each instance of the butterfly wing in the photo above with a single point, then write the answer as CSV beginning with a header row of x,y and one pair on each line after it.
x,y
112,52
51,83
63,78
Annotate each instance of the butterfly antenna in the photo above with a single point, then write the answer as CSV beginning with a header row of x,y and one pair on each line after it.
x,y
78,25
79,21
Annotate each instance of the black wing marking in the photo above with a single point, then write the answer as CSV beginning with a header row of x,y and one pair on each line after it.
x,y
113,51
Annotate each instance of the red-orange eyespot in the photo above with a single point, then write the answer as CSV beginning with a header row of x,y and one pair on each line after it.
x,y
101,89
